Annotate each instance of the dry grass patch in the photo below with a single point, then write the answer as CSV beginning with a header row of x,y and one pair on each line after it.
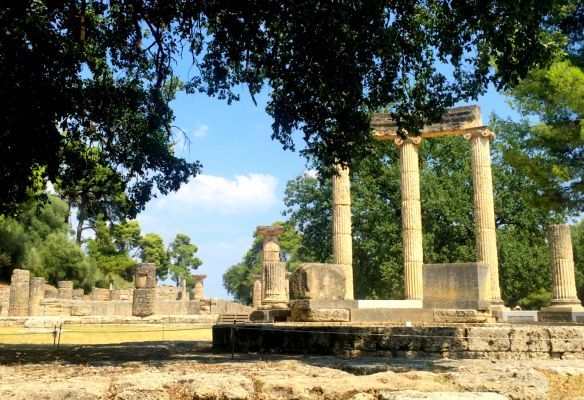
x,y
105,334
564,387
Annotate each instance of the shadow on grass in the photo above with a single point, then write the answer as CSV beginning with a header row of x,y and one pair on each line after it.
x,y
147,352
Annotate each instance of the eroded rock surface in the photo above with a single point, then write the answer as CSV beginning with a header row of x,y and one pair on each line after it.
x,y
209,376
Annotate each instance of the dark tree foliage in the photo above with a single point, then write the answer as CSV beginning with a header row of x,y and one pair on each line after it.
x,y
81,74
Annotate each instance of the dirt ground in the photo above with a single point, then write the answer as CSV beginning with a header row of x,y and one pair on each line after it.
x,y
192,370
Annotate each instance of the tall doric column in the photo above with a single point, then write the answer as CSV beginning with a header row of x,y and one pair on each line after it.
x,y
484,206
342,239
199,289
257,291
274,270
562,260
411,217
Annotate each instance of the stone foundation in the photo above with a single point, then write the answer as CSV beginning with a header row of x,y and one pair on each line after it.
x,y
490,342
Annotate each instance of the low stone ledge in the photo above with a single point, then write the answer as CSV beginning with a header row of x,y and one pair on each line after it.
x,y
306,304
320,315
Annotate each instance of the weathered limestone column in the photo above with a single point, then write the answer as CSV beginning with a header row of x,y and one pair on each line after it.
x,y
35,295
274,271
411,217
145,293
562,260
287,285
257,291
19,293
484,207
342,238
199,289
65,289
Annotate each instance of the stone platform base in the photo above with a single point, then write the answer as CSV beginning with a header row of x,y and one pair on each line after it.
x,y
270,315
350,311
488,341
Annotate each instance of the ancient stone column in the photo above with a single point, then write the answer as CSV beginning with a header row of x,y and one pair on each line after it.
x,y
257,291
411,217
35,295
274,271
65,289
145,293
19,293
287,285
562,260
342,239
198,291
484,206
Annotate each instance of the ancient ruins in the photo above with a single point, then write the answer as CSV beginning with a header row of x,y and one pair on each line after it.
x,y
460,292
30,296
449,310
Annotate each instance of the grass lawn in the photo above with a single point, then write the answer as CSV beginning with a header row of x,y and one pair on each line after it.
x,y
105,334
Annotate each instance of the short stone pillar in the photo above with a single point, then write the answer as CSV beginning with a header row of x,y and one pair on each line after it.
x,y
199,289
274,286
256,298
19,293
342,238
35,295
484,207
411,217
65,289
562,260
144,298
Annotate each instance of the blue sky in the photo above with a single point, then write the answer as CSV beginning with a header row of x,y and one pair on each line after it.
x,y
243,179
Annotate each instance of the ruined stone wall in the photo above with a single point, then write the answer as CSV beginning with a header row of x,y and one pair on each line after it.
x,y
168,293
176,307
221,306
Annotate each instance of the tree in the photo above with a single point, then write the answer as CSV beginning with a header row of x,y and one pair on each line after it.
x,y
551,151
112,250
238,279
152,250
182,258
100,75
547,144
447,214
97,194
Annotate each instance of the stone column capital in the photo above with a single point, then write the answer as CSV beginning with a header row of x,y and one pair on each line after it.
x,y
484,132
417,140
199,277
270,232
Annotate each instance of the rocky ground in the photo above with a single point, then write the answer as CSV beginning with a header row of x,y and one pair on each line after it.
x,y
191,370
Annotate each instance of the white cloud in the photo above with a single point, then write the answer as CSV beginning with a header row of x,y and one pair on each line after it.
x,y
201,131
311,173
242,195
